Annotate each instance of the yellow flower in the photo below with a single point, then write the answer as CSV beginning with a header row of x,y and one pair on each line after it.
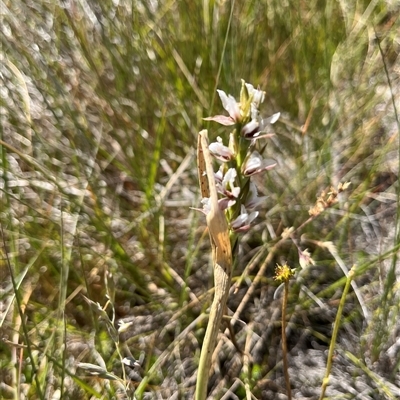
x,y
283,273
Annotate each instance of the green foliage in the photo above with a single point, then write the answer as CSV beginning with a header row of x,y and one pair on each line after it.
x,y
101,103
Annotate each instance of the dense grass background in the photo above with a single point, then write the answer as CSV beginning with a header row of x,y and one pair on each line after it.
x,y
101,102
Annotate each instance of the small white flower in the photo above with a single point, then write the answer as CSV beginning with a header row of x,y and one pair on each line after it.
x,y
219,175
257,95
250,129
221,152
206,201
256,164
228,184
256,126
243,221
230,105
305,258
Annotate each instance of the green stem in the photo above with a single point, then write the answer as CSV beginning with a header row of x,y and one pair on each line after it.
x,y
325,381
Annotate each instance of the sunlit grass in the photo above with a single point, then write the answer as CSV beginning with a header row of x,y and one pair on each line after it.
x,y
101,103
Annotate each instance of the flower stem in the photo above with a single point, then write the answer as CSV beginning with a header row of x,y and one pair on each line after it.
x,y
325,381
284,342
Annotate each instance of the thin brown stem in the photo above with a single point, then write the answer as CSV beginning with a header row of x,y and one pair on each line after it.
x,y
284,342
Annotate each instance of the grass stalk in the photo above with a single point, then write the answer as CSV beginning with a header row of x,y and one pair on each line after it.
x,y
20,306
336,326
